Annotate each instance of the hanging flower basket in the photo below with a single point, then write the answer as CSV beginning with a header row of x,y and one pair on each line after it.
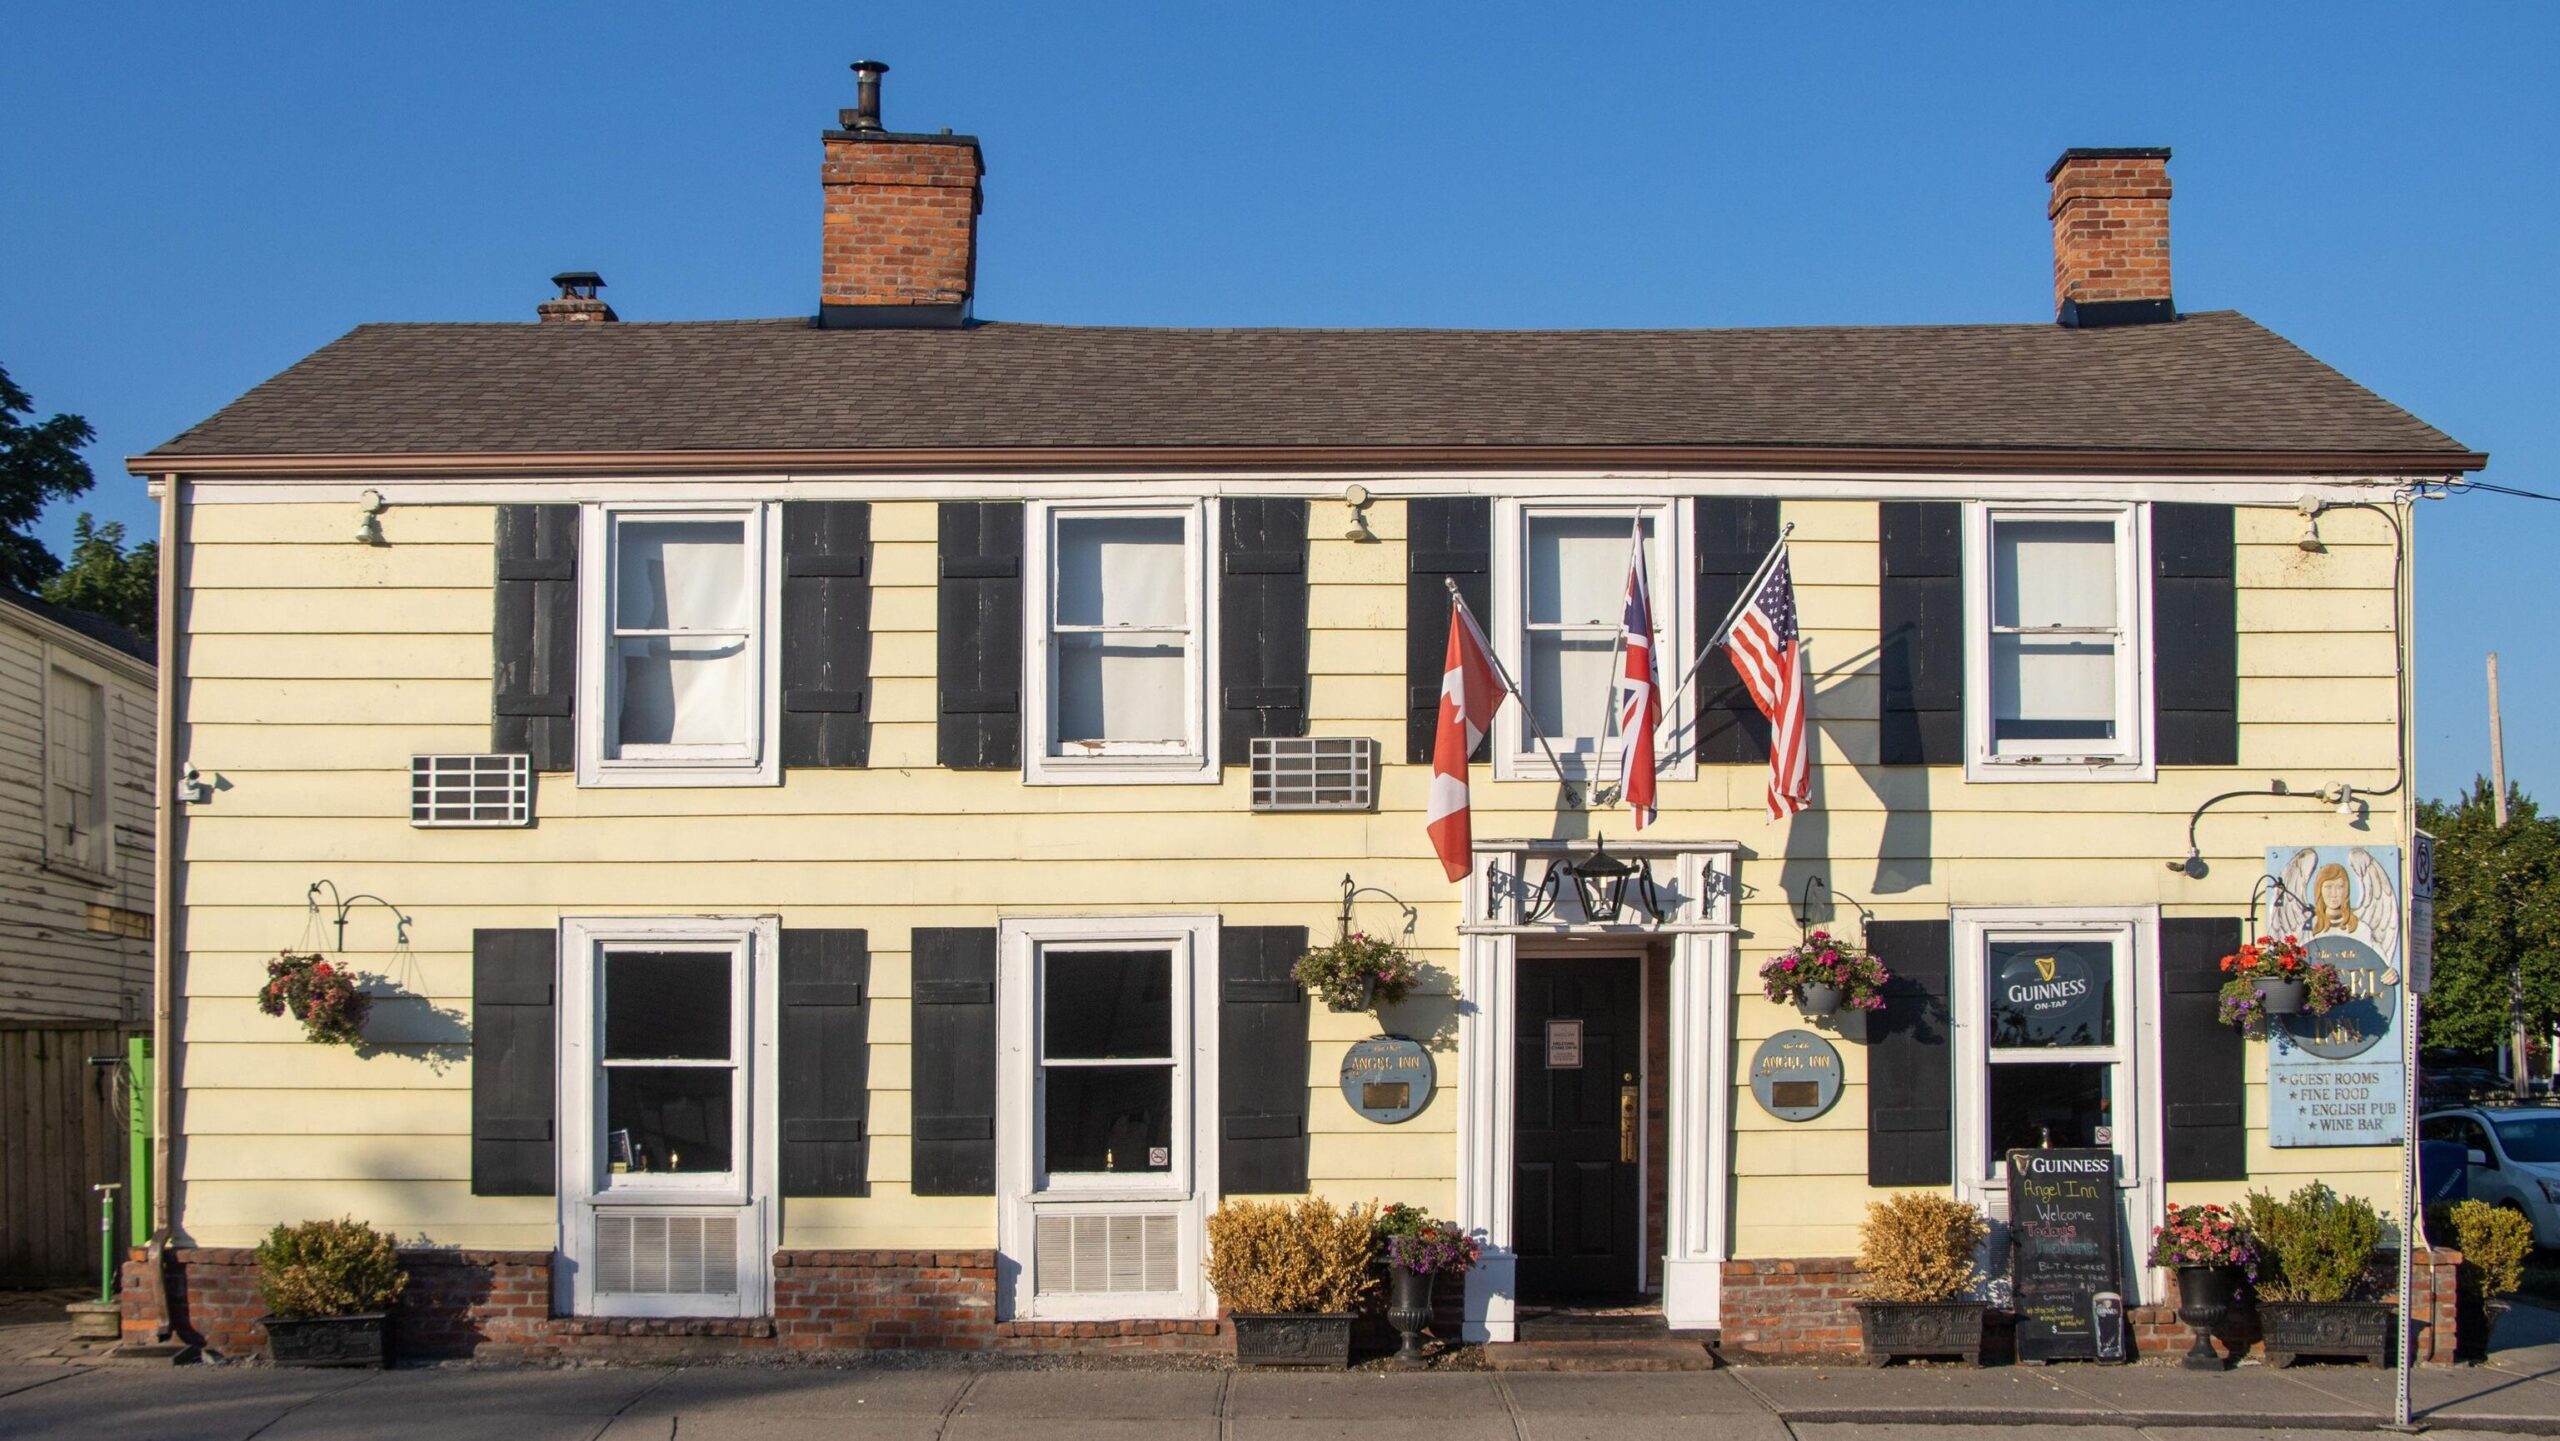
x,y
321,996
2276,977
1823,974
1357,972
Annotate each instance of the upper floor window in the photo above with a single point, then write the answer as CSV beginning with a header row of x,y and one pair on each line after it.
x,y
1560,602
1119,619
2055,645
677,638
79,829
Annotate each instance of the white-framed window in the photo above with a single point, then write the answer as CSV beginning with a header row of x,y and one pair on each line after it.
x,y
667,1109
2057,650
679,646
2057,1043
1122,626
79,748
1559,603
1106,1135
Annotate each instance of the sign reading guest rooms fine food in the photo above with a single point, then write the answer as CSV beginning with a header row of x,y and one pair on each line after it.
x,y
2335,1080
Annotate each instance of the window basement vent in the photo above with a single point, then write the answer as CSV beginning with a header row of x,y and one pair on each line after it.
x,y
471,790
663,1253
1073,1255
1315,773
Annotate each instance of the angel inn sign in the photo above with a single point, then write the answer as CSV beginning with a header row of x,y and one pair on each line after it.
x,y
916,748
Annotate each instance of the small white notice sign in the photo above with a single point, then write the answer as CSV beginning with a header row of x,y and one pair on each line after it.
x,y
1564,1045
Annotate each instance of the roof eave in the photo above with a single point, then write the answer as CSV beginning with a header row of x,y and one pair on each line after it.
x,y
1311,457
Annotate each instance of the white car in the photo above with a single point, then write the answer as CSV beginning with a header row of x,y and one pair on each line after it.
x,y
2515,1159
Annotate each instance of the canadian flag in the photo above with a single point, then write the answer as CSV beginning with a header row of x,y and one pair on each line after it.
x,y
1470,692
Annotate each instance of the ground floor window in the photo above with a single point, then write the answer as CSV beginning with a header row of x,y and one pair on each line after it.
x,y
1106,1146
667,1154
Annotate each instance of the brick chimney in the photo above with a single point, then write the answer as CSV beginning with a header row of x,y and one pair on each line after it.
x,y
901,226
2110,214
577,303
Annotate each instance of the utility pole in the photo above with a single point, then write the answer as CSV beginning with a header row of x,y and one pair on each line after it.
x,y
2520,1038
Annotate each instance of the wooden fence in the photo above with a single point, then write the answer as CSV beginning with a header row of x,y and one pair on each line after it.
x,y
62,1130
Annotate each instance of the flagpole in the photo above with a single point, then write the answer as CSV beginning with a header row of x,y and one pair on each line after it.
x,y
1608,795
1502,673
1750,589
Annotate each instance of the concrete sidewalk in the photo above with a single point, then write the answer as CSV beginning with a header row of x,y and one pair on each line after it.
x,y
2519,1393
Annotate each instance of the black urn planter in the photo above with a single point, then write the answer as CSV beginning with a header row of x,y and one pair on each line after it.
x,y
1293,1338
1887,1329
363,1340
2204,1302
1409,1309
2326,1328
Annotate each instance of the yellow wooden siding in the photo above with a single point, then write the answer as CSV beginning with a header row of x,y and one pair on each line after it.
x,y
318,667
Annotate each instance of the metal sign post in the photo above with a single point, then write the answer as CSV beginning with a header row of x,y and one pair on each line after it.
x,y
2417,965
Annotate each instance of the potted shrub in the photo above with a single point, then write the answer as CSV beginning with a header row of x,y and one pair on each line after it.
x,y
2316,1285
2276,978
328,1288
1292,1275
1823,973
2494,1242
1418,1251
319,995
2212,1254
1356,972
1916,1254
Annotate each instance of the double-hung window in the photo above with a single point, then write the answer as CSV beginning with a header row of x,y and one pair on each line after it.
x,y
1560,606
1106,1124
2058,680
1120,662
78,821
678,645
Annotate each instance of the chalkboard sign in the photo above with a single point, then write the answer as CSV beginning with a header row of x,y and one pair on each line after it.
x,y
2064,1234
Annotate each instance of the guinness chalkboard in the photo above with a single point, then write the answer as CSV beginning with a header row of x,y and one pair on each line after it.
x,y
2064,1236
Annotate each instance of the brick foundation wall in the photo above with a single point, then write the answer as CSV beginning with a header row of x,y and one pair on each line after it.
x,y
1800,1308
496,1305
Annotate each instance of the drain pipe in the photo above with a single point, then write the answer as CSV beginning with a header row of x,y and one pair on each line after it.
x,y
169,817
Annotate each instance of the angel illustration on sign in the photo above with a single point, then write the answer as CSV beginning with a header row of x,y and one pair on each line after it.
x,y
2356,900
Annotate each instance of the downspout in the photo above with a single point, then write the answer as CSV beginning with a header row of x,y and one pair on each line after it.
x,y
169,819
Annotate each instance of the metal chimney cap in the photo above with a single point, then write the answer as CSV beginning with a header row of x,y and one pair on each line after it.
x,y
870,69
578,284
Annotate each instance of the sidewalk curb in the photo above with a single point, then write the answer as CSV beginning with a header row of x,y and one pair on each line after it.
x,y
2142,1420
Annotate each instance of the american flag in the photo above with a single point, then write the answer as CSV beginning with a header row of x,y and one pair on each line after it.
x,y
1766,653
1639,700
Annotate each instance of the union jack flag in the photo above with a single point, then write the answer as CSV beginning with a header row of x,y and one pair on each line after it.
x,y
1767,654
1639,699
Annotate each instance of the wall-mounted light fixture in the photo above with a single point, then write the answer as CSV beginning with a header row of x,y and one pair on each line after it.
x,y
2309,507
1356,497
369,526
1601,882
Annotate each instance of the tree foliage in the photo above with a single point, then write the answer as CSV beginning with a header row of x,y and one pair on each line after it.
x,y
105,579
2497,906
39,462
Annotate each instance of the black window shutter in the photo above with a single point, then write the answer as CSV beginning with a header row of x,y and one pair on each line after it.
x,y
534,682
826,633
826,1061
1447,538
1734,536
1920,635
1262,621
1910,1059
2195,636
514,1088
978,635
954,1050
1262,1061
2203,1063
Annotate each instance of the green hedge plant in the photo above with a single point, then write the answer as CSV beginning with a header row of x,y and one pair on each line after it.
x,y
2314,1245
328,1268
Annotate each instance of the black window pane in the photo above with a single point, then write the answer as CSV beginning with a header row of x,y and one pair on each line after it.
x,y
1109,1118
2053,993
667,1118
666,1006
2050,1105
1107,1005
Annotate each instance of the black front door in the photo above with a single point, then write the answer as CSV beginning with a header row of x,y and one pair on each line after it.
x,y
1574,1175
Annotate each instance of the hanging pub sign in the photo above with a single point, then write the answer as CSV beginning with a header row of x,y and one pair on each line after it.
x,y
1388,1078
2065,1240
1795,1075
2336,1079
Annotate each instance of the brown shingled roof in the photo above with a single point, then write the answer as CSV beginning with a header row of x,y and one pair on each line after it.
x,y
2214,383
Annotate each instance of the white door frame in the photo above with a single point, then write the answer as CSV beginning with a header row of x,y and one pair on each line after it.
x,y
1698,1196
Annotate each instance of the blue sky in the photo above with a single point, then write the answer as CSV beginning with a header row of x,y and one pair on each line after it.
x,y
198,195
